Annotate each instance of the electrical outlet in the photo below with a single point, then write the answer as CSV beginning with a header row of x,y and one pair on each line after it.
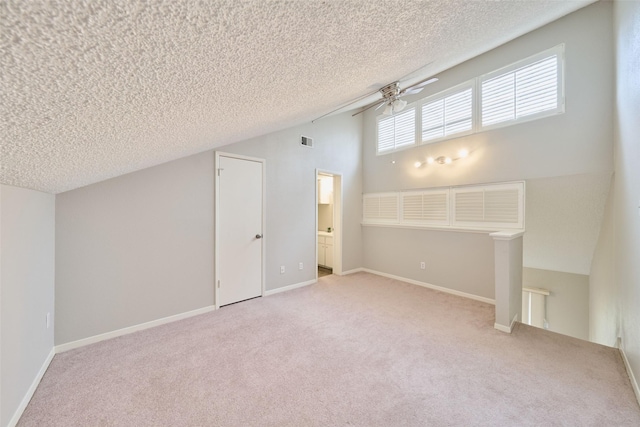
x,y
48,320
282,269
300,266
423,265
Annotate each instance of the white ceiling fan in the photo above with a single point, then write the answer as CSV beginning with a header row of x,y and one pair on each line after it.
x,y
391,97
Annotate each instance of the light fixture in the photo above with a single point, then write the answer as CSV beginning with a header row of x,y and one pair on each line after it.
x,y
444,160
398,105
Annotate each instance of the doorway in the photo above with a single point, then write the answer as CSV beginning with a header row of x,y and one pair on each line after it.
x,y
328,223
239,228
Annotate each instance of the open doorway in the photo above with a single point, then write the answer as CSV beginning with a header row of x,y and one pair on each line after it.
x,y
328,223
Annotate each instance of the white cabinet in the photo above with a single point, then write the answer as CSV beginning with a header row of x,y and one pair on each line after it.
x,y
325,190
325,251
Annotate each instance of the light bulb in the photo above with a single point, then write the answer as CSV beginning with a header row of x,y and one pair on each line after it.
x,y
447,160
463,153
417,164
388,110
430,160
398,105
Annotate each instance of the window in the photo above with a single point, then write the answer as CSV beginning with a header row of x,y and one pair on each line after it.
x,y
397,131
472,207
426,207
499,206
380,208
448,114
528,89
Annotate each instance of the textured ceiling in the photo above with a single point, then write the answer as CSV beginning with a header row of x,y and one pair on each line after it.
x,y
95,89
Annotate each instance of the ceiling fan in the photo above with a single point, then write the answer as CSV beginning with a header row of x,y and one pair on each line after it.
x,y
391,95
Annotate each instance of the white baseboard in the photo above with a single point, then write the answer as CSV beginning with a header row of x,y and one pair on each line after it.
x,y
430,286
130,329
32,389
507,329
632,377
289,287
355,270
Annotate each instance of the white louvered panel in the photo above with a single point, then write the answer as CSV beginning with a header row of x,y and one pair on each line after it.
x,y
412,207
436,208
405,128
389,207
469,206
371,208
486,207
433,120
386,134
448,115
458,112
497,99
537,87
521,92
501,206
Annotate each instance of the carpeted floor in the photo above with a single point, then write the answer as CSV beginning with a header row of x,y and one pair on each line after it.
x,y
359,350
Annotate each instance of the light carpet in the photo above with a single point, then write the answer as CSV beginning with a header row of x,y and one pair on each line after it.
x,y
359,350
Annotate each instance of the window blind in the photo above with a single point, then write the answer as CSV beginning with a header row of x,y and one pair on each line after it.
x,y
447,116
519,93
397,131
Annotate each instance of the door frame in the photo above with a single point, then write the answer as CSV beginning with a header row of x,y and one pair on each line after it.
x,y
216,215
337,219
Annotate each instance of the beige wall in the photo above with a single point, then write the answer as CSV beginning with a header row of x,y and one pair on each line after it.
x,y
615,278
139,247
27,227
567,306
566,159
134,248
460,261
627,182
603,305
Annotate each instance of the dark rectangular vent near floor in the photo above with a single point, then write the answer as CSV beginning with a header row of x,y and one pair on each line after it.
x,y
306,141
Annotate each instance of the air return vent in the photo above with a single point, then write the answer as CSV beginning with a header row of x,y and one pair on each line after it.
x,y
306,141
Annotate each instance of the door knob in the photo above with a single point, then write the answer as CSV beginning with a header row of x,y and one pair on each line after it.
x,y
258,236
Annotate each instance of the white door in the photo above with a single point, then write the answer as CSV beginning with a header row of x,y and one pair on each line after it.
x,y
239,211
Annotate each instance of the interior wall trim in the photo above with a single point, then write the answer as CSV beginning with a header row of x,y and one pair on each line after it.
x,y
32,389
131,329
289,287
430,286
632,377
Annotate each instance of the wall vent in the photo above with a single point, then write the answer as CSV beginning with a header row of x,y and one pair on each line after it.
x,y
306,141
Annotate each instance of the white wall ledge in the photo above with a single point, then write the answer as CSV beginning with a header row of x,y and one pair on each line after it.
x,y
507,234
489,231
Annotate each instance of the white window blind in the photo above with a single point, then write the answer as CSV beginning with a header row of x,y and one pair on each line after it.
x,y
397,131
449,115
479,207
498,206
528,88
429,207
380,208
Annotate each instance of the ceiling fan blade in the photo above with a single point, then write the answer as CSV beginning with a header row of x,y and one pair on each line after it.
x,y
416,88
370,106
412,91
380,106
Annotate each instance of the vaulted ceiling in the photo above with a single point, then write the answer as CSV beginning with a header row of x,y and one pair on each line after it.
x,y
95,89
